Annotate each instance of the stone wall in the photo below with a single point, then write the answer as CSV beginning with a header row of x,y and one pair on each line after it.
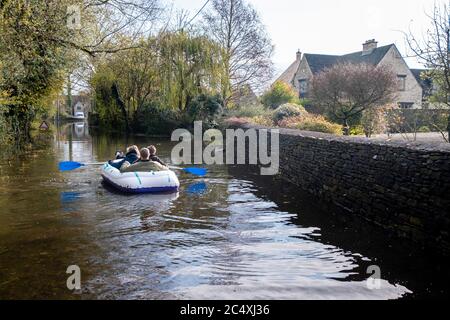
x,y
402,187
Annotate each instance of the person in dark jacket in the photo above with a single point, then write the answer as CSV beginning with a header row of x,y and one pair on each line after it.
x,y
153,156
132,156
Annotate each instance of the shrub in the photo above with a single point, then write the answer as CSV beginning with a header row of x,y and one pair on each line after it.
x,y
357,130
153,120
424,129
207,109
5,136
373,121
262,121
236,121
287,110
279,94
309,122
249,111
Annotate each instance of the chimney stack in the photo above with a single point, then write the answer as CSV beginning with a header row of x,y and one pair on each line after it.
x,y
369,46
299,55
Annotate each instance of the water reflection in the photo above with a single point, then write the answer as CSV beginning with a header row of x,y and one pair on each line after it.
x,y
228,235
68,197
197,188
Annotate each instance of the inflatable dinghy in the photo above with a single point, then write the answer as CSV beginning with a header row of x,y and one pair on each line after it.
x,y
140,182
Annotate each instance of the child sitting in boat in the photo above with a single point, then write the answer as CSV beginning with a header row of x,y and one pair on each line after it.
x,y
130,158
143,165
153,155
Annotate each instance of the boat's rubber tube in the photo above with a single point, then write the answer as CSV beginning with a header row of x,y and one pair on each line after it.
x,y
140,182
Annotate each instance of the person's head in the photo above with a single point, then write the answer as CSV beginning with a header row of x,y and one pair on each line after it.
x,y
145,154
152,150
133,149
119,154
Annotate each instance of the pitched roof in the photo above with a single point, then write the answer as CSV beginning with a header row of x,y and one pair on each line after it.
x,y
425,82
318,62
289,74
417,73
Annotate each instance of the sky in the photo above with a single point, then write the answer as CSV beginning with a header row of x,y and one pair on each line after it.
x,y
334,26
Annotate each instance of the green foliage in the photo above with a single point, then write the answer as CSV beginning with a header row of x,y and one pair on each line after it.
x,y
31,60
106,108
177,72
5,137
424,129
257,120
287,110
207,109
357,130
190,66
411,120
249,111
280,93
309,122
153,120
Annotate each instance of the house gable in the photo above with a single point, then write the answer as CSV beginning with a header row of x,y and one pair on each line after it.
x,y
304,72
412,93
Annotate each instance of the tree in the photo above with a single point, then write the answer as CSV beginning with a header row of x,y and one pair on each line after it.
x,y
236,26
31,63
167,72
344,91
280,93
39,46
433,50
191,65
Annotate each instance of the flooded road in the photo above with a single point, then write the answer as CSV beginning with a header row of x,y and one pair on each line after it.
x,y
229,235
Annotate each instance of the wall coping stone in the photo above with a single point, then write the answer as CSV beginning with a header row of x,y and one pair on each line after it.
x,y
415,146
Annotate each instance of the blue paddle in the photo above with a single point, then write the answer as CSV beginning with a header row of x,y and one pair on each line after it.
x,y
71,165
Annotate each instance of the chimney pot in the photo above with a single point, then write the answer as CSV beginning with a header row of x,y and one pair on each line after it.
x,y
299,55
369,46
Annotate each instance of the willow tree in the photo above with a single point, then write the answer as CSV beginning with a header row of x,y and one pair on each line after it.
x,y
126,81
191,65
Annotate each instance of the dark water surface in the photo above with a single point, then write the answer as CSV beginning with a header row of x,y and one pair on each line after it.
x,y
229,235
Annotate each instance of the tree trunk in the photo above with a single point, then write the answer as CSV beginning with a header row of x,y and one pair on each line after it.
x,y
448,128
121,104
346,129
20,124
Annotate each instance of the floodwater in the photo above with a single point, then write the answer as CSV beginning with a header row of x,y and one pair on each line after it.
x,y
230,235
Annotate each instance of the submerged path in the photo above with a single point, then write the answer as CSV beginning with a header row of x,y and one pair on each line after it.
x,y
230,235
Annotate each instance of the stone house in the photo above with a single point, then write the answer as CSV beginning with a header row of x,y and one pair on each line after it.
x,y
411,91
80,103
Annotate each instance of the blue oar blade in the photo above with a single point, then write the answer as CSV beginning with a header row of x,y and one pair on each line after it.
x,y
196,171
69,166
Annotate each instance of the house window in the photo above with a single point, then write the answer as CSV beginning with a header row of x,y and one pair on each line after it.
x,y
401,82
303,84
406,105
